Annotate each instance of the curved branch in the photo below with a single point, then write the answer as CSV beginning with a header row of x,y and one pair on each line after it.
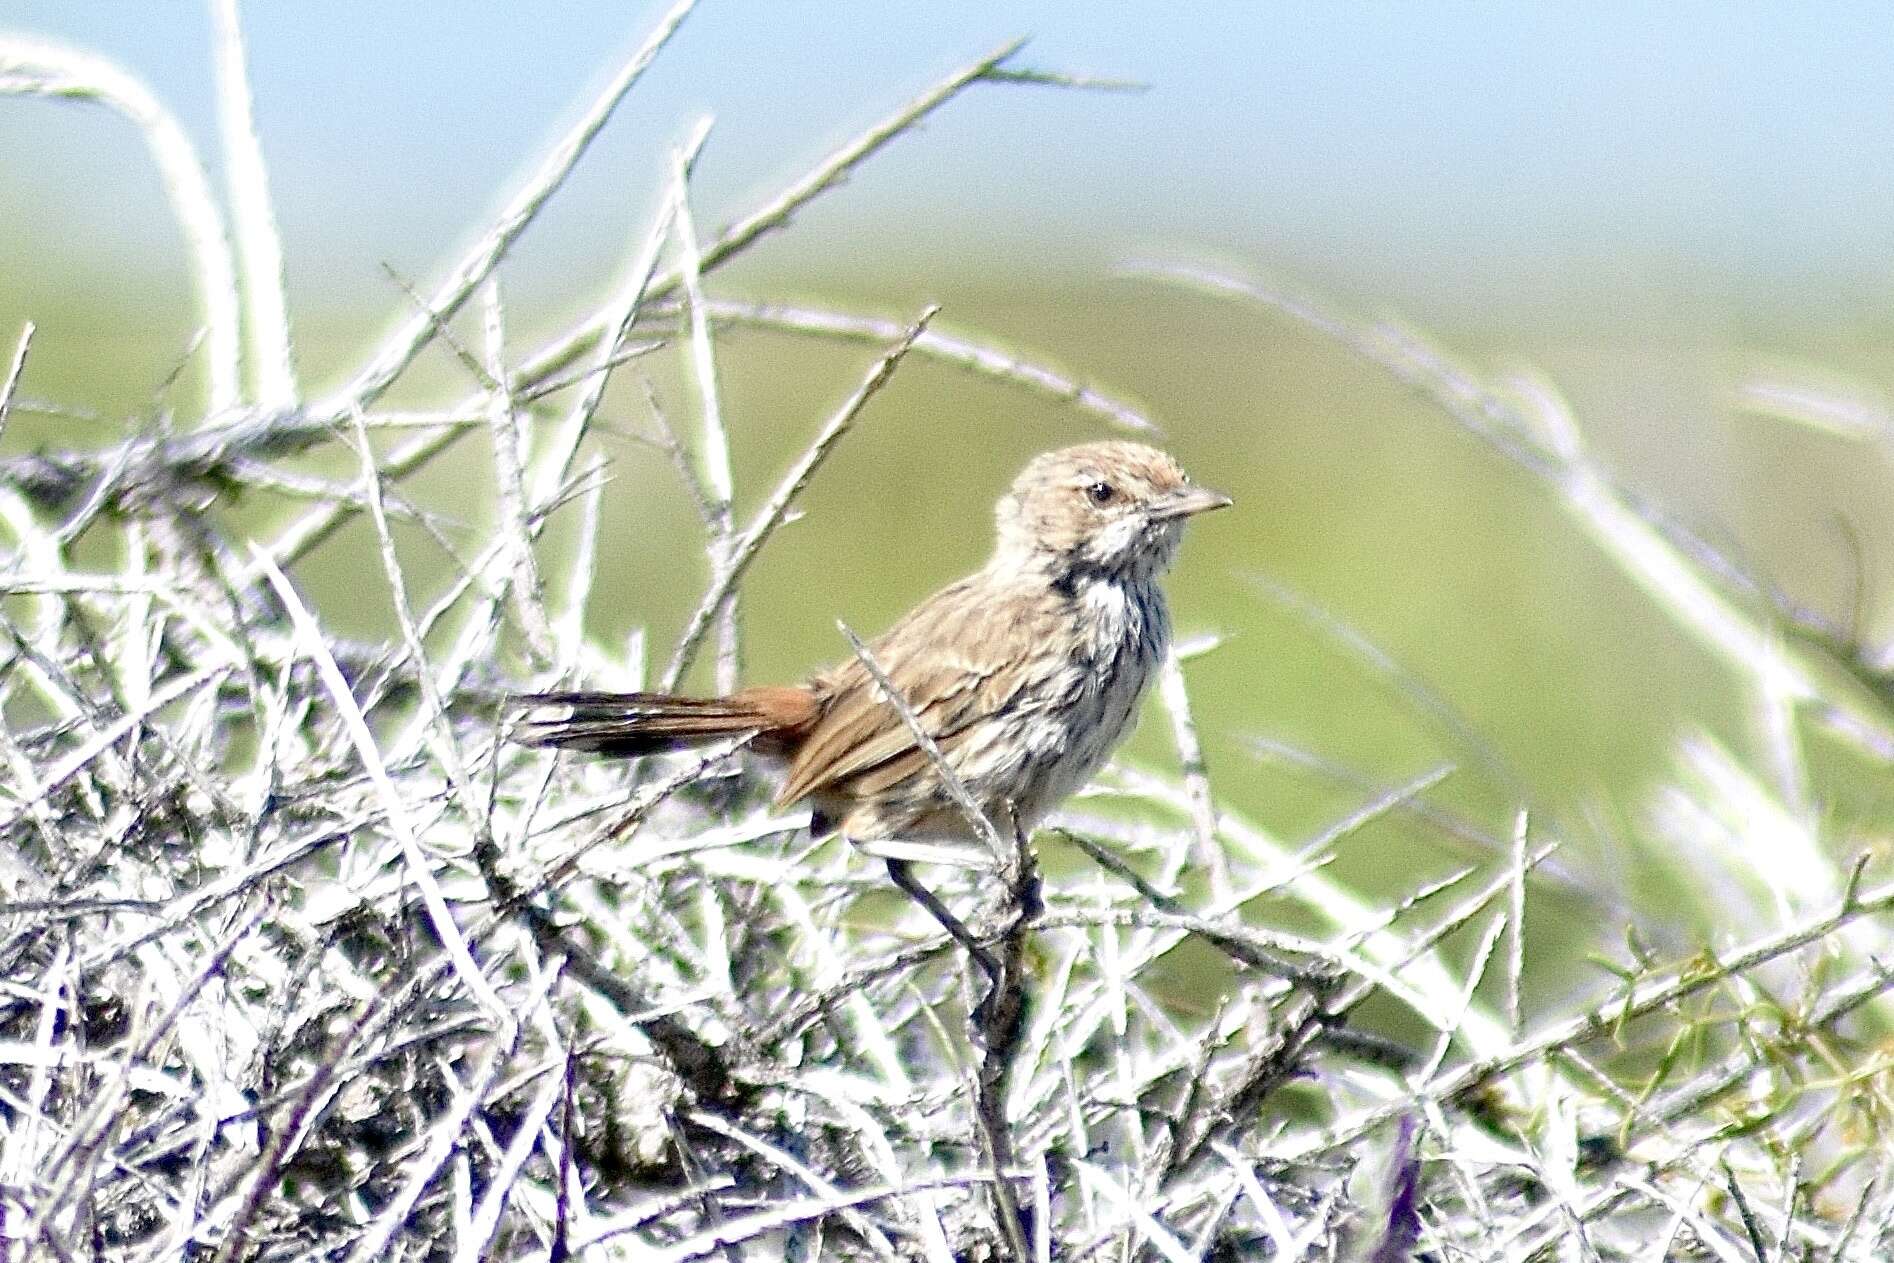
x,y
40,68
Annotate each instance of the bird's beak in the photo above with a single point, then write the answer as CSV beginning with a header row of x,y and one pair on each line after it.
x,y
1189,503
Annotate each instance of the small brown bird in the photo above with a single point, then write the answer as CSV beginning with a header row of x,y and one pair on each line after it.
x,y
1026,673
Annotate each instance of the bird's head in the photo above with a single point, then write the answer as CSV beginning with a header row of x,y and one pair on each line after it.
x,y
1113,508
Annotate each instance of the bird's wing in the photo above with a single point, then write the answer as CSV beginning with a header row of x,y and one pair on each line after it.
x,y
962,655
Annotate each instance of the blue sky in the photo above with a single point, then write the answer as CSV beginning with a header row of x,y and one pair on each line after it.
x,y
1543,158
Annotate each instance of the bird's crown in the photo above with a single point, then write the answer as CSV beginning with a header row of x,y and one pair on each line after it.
x,y
1114,506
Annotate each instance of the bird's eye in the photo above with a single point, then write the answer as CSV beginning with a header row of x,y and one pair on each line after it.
x,y
1102,492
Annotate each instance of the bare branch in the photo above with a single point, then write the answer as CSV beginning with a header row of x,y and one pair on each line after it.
x,y
401,346
40,68
744,548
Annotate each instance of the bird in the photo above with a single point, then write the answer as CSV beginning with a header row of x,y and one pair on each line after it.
x,y
1025,674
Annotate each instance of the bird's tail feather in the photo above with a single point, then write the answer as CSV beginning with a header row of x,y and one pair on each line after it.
x,y
628,724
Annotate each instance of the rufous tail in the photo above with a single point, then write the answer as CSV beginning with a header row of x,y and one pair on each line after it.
x,y
627,724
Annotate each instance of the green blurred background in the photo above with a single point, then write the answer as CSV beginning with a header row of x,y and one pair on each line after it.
x,y
1648,206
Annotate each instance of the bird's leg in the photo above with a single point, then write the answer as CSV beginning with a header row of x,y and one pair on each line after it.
x,y
903,874
998,1014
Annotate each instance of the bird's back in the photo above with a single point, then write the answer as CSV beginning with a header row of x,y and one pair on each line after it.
x,y
1024,684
